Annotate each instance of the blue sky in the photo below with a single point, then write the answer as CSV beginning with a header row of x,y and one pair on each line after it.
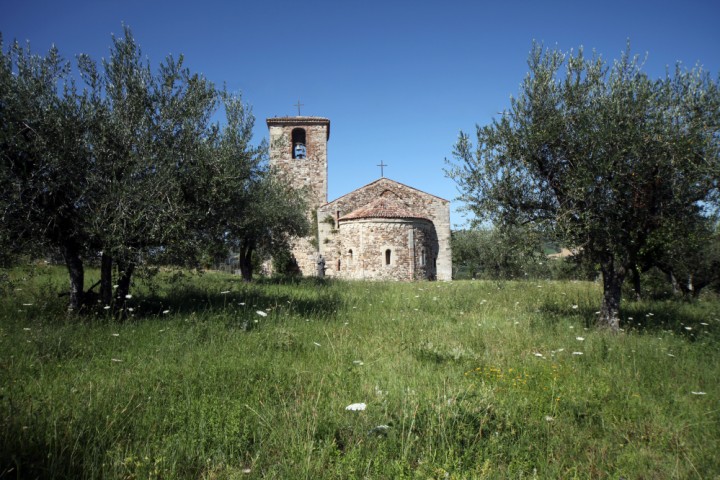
x,y
398,80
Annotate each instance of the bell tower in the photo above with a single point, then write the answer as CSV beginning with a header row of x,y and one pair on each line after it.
x,y
298,151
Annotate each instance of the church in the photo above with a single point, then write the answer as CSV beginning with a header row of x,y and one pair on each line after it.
x,y
384,230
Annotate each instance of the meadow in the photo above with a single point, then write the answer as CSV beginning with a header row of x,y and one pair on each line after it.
x,y
213,378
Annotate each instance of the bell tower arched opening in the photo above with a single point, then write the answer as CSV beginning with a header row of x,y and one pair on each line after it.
x,y
299,145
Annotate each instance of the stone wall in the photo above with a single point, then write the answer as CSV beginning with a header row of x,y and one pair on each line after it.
x,y
384,249
308,173
435,209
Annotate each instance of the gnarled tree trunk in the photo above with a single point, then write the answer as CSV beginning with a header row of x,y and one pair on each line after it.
x,y
125,271
105,279
246,269
613,278
74,264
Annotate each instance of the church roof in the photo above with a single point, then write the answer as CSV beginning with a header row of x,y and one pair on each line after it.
x,y
385,206
382,180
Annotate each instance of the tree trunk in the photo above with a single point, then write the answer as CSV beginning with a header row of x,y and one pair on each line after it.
x,y
105,279
77,276
125,271
246,269
675,284
636,282
613,278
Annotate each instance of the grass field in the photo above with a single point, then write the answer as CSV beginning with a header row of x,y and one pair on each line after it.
x,y
459,380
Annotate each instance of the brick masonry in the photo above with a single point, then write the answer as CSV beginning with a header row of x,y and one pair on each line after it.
x,y
308,173
419,242
435,230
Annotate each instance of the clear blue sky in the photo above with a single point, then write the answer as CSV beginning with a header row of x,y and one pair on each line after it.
x,y
398,80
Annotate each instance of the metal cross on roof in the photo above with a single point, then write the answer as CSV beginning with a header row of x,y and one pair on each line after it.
x,y
382,166
298,105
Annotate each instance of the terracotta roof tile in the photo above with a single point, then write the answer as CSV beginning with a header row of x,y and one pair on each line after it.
x,y
382,207
384,180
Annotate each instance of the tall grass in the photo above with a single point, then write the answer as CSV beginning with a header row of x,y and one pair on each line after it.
x,y
461,380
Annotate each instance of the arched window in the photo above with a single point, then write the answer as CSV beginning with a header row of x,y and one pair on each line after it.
x,y
422,257
299,149
350,257
387,256
338,269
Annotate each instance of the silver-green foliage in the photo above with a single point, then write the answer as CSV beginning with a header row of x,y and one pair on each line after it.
x,y
600,156
129,166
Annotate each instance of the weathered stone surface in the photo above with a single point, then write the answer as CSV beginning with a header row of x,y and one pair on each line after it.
x,y
423,205
385,249
390,230
309,173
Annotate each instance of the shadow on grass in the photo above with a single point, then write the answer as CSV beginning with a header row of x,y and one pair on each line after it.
x,y
183,295
307,298
680,317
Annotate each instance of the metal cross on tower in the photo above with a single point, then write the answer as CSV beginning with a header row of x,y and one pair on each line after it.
x,y
298,105
382,166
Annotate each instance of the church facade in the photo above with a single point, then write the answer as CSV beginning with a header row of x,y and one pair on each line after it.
x,y
382,231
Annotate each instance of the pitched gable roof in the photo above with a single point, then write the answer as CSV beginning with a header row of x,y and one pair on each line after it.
x,y
386,205
386,180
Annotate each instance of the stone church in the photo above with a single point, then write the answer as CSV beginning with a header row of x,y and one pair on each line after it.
x,y
382,231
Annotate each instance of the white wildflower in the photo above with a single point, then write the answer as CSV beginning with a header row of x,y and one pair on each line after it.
x,y
358,362
538,354
577,353
26,329
116,360
379,430
115,334
355,407
698,393
317,344
688,328
575,307
579,339
261,313
548,418
166,311
224,292
27,304
106,307
128,296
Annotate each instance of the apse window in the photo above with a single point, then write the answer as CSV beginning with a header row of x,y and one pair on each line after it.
x,y
299,148
388,256
350,257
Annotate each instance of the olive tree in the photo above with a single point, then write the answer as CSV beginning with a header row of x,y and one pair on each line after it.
x,y
149,146
597,156
248,209
44,154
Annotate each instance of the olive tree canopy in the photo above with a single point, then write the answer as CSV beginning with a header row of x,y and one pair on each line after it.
x,y
600,157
